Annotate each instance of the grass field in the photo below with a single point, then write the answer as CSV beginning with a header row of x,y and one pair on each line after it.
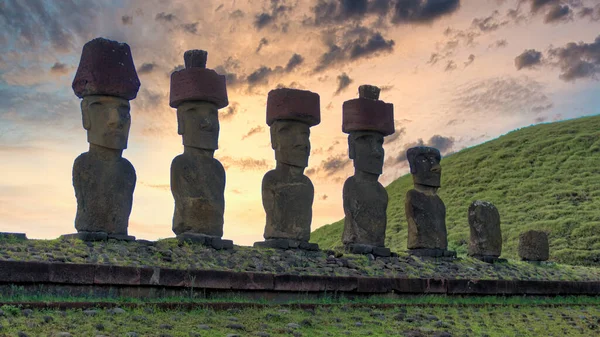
x,y
544,177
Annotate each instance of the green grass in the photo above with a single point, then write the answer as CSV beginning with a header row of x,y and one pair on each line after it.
x,y
576,320
544,177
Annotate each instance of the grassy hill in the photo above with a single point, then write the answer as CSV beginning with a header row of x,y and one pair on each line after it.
x,y
544,177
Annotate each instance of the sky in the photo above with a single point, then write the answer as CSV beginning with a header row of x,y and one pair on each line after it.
x,y
459,73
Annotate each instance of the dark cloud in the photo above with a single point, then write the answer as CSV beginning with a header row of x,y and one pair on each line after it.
x,y
165,17
191,28
593,14
558,13
59,68
489,23
442,143
470,60
384,88
343,82
294,61
292,85
499,44
127,19
539,4
237,14
542,108
357,44
500,96
253,131
177,68
146,68
260,76
397,135
230,69
244,163
278,9
422,11
577,60
450,65
334,164
262,20
434,58
528,59
37,23
229,112
263,42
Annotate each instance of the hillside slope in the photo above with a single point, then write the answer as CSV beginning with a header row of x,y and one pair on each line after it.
x,y
544,177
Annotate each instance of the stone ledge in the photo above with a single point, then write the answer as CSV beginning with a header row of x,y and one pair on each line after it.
x,y
432,252
207,240
66,274
97,236
16,236
286,244
357,248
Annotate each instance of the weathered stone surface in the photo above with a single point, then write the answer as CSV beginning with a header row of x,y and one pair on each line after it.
x,y
368,91
425,210
432,252
486,237
104,183
14,236
533,246
426,217
286,244
365,205
106,68
197,178
293,104
198,187
107,121
363,114
86,236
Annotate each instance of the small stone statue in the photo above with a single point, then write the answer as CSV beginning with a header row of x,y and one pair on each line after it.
x,y
533,246
104,181
367,120
197,178
287,193
486,238
425,210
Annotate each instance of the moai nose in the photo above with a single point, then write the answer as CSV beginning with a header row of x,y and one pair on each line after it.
x,y
436,168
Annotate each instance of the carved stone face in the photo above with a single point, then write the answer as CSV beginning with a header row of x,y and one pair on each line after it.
x,y
290,140
425,166
366,148
107,120
198,123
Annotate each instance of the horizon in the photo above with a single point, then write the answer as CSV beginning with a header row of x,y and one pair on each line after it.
x,y
459,73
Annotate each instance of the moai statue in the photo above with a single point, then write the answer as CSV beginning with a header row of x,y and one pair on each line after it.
x,y
197,178
367,120
425,210
533,246
104,181
287,193
485,243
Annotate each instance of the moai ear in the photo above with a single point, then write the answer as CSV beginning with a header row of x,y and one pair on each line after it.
x,y
180,126
351,148
274,139
85,115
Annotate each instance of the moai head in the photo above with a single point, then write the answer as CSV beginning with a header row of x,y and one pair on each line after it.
x,y
290,114
106,80
197,93
367,120
425,165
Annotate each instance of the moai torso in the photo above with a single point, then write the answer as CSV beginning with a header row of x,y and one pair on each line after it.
x,y
288,204
104,192
365,206
426,217
484,223
198,186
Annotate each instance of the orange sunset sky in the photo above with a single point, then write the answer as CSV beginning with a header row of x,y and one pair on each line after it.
x,y
459,73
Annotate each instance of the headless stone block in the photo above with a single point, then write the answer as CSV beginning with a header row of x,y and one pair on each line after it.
x,y
486,237
533,246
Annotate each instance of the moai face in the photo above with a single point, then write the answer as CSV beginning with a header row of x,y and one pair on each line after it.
x,y
291,142
366,149
107,120
198,123
425,166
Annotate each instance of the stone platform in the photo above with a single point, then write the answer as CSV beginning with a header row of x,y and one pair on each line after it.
x,y
489,258
286,244
429,252
207,240
97,236
356,248
17,236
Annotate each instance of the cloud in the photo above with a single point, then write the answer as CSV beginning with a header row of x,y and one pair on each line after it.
x,y
165,17
489,23
528,59
237,14
498,96
263,42
559,13
191,28
343,82
253,131
294,61
278,9
127,20
334,164
499,44
536,5
360,43
450,65
470,60
229,112
59,68
244,163
397,135
422,11
146,68
323,197
577,60
442,143
593,14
